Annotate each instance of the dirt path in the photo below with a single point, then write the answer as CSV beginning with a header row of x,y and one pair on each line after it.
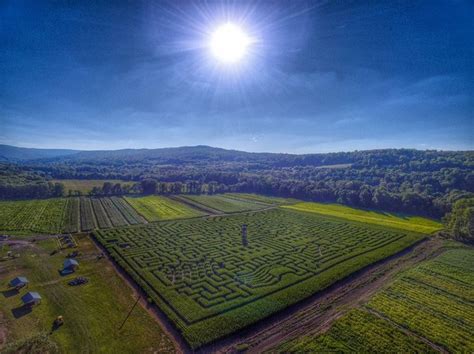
x,y
316,314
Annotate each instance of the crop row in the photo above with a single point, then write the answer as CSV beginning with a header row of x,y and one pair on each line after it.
x,y
443,310
155,208
114,214
263,199
225,204
66,215
39,216
101,216
127,211
358,332
72,222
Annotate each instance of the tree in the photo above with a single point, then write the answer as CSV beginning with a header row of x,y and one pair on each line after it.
x,y
107,188
117,189
460,221
58,190
365,197
148,186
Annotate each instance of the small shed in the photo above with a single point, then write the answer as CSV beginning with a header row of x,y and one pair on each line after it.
x,y
70,264
31,298
19,282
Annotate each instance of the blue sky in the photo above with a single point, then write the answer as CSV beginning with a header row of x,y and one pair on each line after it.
x,y
321,76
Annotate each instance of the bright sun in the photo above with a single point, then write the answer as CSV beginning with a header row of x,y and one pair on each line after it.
x,y
229,43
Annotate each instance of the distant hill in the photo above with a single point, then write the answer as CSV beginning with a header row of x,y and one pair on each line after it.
x,y
203,155
15,154
162,155
196,155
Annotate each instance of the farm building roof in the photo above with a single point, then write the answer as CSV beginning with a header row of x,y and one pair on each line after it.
x,y
30,297
70,263
18,281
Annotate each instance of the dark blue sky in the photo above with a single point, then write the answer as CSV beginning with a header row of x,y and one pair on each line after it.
x,y
323,75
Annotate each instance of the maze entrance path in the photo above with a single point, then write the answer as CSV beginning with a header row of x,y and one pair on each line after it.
x,y
209,283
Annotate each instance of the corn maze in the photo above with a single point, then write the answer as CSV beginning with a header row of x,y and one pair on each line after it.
x,y
210,284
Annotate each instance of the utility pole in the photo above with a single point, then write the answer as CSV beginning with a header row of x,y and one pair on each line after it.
x,y
130,312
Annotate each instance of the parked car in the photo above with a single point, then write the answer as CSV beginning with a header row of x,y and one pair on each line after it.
x,y
78,281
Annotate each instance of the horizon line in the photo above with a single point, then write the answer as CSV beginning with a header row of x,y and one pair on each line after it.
x,y
234,149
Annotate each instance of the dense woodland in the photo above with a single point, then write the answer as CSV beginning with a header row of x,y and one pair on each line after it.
x,y
460,221
403,180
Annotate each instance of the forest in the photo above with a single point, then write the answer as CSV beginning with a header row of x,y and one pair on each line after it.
x,y
399,180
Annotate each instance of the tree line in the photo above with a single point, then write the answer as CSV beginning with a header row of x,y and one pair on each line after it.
x,y
410,181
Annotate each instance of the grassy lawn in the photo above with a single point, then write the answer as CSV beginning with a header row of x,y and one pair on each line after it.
x,y
85,185
410,223
155,208
92,312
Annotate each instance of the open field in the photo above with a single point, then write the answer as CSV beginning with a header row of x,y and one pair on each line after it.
x,y
410,223
427,308
85,185
92,312
225,204
209,284
155,208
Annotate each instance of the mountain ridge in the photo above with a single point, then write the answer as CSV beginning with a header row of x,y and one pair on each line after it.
x,y
10,153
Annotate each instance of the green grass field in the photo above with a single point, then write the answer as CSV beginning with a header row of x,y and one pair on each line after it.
x,y
85,185
155,208
410,223
92,312
225,204
210,284
433,301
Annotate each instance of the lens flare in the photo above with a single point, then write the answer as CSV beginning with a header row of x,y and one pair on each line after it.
x,y
229,43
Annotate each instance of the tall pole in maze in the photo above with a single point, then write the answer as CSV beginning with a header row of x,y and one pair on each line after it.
x,y
244,235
